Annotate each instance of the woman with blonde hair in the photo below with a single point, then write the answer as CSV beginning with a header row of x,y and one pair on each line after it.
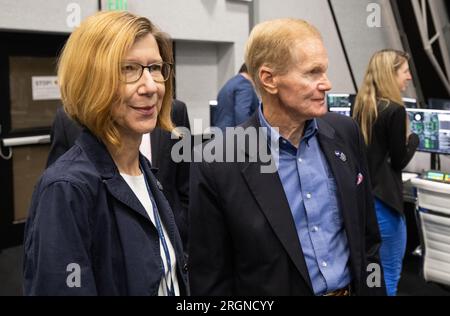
x,y
381,114
99,223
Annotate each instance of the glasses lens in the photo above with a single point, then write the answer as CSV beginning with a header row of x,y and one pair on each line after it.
x,y
131,72
160,72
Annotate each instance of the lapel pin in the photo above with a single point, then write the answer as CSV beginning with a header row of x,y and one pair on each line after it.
x,y
359,179
340,155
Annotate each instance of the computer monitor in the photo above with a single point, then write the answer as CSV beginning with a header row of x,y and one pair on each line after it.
x,y
433,129
341,103
439,104
410,103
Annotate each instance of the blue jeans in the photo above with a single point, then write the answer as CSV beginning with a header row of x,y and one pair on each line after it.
x,y
393,244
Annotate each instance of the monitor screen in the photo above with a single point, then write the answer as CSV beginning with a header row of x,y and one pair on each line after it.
x,y
433,129
410,103
439,104
341,103
437,176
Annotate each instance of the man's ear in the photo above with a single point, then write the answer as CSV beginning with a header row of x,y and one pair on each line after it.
x,y
268,80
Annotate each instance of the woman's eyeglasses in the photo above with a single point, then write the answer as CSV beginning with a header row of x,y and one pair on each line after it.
x,y
132,72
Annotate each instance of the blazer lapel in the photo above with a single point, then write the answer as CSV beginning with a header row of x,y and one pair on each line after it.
x,y
275,207
122,192
115,184
345,174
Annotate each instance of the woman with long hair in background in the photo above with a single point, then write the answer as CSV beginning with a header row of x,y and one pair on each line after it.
x,y
381,114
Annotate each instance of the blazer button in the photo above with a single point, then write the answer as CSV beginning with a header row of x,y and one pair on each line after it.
x,y
185,268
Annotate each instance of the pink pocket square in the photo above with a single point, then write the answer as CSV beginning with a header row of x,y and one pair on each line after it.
x,y
359,179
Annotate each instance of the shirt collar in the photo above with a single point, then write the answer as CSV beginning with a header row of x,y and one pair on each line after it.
x,y
311,128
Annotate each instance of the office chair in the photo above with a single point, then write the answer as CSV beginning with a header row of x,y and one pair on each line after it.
x,y
434,221
436,239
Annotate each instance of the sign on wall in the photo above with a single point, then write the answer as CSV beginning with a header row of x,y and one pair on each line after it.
x,y
45,88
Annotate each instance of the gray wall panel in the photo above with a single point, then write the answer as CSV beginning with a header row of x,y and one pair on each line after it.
x,y
319,14
361,41
41,16
197,73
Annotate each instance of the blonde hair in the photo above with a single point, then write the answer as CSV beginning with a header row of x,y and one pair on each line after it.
x,y
272,43
380,83
89,70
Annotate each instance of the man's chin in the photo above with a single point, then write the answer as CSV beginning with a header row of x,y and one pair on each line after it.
x,y
322,112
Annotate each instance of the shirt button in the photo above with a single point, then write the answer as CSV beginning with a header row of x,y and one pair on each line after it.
x,y
315,229
324,264
300,160
308,196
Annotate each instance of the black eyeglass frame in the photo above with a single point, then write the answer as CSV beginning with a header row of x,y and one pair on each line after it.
x,y
162,63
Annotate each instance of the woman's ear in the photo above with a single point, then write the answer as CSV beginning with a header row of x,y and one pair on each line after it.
x,y
268,80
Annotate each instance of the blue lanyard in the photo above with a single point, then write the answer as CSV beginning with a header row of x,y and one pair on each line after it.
x,y
170,289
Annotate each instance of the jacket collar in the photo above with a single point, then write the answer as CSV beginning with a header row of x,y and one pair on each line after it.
x,y
99,156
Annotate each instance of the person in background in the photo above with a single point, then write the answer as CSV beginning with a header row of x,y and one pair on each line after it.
x,y
99,223
381,114
236,101
155,146
309,226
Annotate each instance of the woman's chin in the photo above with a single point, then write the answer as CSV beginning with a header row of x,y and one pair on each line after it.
x,y
148,130
149,127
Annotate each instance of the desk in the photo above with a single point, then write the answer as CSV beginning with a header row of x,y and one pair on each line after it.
x,y
409,192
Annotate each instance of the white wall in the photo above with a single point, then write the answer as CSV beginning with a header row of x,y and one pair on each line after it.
x,y
196,77
41,16
318,13
361,41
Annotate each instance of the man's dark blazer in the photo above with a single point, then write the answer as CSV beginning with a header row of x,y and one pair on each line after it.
x,y
174,177
243,240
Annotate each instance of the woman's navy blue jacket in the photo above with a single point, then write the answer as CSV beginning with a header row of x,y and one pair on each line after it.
x,y
88,234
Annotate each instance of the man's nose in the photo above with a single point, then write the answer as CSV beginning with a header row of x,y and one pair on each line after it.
x,y
325,84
